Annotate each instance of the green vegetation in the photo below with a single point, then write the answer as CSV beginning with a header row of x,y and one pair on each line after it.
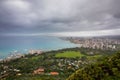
x,y
69,54
33,77
94,57
65,62
107,69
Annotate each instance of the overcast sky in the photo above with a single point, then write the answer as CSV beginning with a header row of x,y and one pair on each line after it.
x,y
26,17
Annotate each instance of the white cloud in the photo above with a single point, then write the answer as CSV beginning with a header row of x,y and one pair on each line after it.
x,y
18,5
61,15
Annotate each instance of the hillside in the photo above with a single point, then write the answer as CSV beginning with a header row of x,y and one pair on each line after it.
x,y
52,65
107,69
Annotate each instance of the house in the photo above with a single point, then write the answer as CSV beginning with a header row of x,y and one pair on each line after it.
x,y
16,70
39,71
54,73
35,51
19,74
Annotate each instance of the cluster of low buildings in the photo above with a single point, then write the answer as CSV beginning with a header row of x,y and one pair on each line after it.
x,y
71,64
61,66
7,70
42,72
12,57
33,51
96,43
16,55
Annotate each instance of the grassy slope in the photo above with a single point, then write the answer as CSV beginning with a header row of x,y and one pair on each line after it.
x,y
69,54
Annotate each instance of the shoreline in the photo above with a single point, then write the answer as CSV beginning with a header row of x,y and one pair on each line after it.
x,y
55,43
29,52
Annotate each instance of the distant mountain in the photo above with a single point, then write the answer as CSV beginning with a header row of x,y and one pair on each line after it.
x,y
109,37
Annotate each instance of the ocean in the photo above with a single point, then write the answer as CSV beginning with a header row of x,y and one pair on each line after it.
x,y
11,44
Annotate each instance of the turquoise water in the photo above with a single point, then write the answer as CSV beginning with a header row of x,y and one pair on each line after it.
x,y
9,45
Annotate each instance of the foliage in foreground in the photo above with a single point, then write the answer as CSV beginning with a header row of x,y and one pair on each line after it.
x,y
65,63
107,69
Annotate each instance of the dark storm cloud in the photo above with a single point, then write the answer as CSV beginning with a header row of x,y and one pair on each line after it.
x,y
31,16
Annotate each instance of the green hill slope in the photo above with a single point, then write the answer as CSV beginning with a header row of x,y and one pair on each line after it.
x,y
107,69
64,61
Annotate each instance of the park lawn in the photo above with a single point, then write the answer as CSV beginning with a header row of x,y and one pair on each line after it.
x,y
69,54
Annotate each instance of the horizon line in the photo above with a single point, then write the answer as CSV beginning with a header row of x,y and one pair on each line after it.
x,y
113,32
